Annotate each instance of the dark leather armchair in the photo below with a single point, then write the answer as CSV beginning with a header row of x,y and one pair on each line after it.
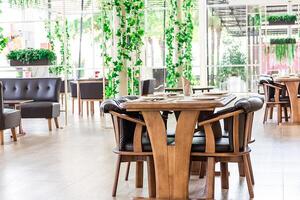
x,y
132,141
148,86
43,91
229,146
9,119
275,96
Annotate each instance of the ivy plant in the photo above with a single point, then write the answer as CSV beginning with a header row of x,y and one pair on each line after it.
x,y
30,55
179,37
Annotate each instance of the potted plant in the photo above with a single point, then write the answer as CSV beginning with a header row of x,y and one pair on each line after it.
x,y
284,48
31,57
282,19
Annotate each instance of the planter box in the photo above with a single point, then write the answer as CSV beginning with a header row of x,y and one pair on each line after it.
x,y
34,63
282,23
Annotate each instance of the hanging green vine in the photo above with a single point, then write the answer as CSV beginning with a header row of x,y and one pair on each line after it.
x,y
179,36
172,72
24,3
104,20
130,33
284,48
65,52
184,39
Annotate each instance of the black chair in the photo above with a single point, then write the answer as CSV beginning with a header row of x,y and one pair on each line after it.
x,y
73,89
148,87
132,141
90,92
228,144
275,97
9,119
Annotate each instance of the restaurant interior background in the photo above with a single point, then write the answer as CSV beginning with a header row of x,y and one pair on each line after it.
x,y
235,34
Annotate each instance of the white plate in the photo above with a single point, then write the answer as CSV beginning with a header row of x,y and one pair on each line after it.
x,y
215,93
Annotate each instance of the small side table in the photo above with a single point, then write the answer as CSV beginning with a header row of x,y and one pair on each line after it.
x,y
16,104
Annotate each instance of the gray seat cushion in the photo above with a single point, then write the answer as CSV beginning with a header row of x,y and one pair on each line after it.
x,y
40,110
10,119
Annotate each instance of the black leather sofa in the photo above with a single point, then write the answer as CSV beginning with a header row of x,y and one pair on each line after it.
x,y
43,91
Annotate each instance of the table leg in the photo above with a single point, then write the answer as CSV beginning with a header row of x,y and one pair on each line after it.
x,y
292,88
171,161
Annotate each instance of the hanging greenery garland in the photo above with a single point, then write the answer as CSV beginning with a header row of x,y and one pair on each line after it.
x,y
65,52
24,3
179,36
172,71
185,39
3,40
284,48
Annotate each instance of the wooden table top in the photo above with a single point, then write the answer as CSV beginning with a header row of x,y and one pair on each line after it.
x,y
183,103
287,79
15,102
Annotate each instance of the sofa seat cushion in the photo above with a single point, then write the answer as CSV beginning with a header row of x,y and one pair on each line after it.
x,y
222,144
40,110
10,119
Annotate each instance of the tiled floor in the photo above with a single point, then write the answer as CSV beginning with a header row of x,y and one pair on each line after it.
x,y
77,163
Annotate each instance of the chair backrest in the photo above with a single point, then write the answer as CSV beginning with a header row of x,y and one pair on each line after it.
x,y
148,86
124,129
37,89
91,90
73,88
268,91
62,86
239,126
1,99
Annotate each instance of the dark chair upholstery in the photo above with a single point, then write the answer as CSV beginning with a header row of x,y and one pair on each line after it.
x,y
43,91
93,90
148,86
9,118
73,88
224,138
233,146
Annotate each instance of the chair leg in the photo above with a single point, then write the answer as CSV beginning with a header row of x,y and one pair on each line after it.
x,y
224,175
279,114
286,116
1,137
250,169
139,174
266,114
87,108
50,124
56,122
127,171
92,108
210,178
271,112
202,169
248,176
117,172
241,169
151,177
73,105
14,134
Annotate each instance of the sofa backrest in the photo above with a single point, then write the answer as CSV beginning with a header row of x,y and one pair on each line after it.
x,y
37,89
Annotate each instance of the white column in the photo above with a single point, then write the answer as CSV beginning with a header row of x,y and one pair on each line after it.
x,y
203,42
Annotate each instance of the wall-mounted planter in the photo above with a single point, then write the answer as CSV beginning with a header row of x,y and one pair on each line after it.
x,y
33,63
282,19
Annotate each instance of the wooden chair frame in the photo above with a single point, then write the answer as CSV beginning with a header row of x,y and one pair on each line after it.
x,y
281,105
137,155
211,156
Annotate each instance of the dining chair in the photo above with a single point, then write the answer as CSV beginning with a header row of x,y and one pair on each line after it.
x,y
228,144
147,87
63,91
9,119
73,88
132,142
275,97
91,91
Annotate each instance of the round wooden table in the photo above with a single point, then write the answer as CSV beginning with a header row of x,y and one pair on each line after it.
x,y
292,85
172,162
